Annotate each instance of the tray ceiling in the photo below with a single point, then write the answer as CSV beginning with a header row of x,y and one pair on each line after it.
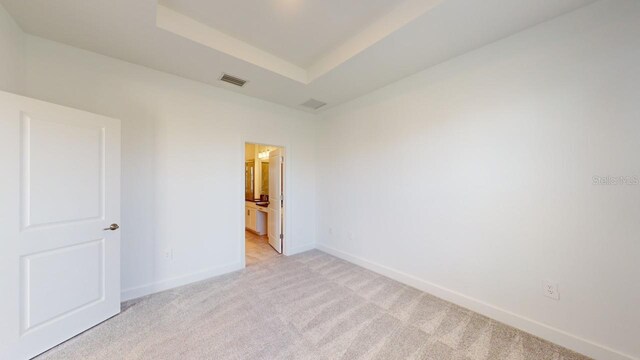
x,y
288,50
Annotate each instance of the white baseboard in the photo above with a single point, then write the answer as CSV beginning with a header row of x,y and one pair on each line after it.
x,y
170,283
301,249
530,326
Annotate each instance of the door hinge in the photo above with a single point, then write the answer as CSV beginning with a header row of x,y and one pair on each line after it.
x,y
281,203
281,237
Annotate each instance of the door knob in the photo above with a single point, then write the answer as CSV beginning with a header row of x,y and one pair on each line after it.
x,y
112,227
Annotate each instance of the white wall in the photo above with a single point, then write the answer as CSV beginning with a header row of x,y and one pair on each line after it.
x,y
183,161
11,53
473,179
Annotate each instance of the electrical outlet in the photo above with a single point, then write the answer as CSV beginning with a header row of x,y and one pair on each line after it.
x,y
350,234
330,231
551,290
168,254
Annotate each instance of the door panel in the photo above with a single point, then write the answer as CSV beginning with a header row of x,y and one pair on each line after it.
x,y
275,232
50,280
61,162
59,268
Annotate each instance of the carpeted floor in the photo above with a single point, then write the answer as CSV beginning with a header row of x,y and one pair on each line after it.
x,y
307,306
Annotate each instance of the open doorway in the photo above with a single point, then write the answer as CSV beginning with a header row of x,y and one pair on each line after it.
x,y
264,189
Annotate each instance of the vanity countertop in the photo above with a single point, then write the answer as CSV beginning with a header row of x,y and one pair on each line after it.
x,y
258,203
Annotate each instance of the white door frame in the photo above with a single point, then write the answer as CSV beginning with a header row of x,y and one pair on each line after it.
x,y
286,226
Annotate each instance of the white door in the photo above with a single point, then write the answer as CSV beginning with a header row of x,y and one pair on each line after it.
x,y
276,201
59,188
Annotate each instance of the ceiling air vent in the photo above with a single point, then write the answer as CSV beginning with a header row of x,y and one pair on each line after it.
x,y
233,80
313,104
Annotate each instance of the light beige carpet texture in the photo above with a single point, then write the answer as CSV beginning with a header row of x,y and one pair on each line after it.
x,y
307,306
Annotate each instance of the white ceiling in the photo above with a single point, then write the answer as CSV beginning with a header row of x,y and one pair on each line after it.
x,y
289,50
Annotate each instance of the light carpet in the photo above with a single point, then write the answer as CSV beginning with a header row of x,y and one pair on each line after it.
x,y
307,306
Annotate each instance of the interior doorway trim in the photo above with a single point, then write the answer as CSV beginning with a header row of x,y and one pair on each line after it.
x,y
288,197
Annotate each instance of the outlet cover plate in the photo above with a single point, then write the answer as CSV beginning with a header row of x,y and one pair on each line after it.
x,y
550,290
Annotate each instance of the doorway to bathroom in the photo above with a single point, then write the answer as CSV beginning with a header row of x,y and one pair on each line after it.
x,y
264,194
